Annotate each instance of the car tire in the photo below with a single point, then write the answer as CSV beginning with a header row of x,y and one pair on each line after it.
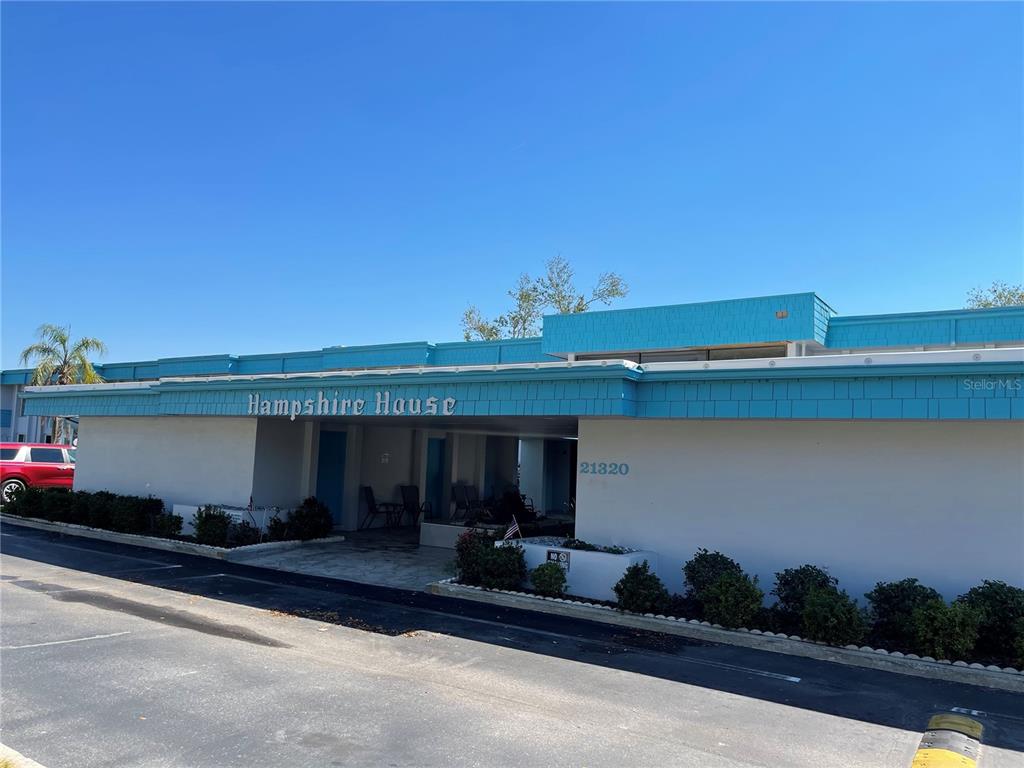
x,y
11,489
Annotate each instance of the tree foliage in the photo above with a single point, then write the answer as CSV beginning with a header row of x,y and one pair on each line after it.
x,y
999,294
555,290
59,359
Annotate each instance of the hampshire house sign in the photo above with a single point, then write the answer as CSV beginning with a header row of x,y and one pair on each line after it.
x,y
384,405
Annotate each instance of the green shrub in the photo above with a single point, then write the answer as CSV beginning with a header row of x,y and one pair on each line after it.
x,y
683,607
469,555
892,606
733,600
311,520
134,514
832,616
242,534
1018,644
703,570
1000,607
548,579
586,546
277,529
641,591
57,504
98,508
211,525
792,587
945,631
502,567
167,525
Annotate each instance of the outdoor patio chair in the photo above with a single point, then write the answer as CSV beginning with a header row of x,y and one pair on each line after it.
x,y
467,502
392,512
411,503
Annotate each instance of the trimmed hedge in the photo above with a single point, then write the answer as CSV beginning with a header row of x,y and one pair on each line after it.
x,y
109,511
310,520
832,616
641,591
891,610
469,556
793,586
703,570
503,567
733,600
1000,610
548,579
945,631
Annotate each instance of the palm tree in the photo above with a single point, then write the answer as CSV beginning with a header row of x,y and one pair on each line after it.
x,y
59,360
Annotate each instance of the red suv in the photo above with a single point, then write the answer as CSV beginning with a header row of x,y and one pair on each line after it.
x,y
39,465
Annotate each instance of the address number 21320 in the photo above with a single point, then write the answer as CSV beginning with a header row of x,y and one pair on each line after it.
x,y
603,468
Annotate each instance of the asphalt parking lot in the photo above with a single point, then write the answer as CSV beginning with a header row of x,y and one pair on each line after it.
x,y
120,656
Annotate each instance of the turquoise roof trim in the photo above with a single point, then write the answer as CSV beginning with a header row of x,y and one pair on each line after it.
x,y
979,391
766,319
1004,325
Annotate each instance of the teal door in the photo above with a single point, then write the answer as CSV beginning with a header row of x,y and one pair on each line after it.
x,y
330,472
434,492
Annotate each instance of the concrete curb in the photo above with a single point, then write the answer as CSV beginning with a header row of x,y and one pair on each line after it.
x,y
236,554
15,759
1008,680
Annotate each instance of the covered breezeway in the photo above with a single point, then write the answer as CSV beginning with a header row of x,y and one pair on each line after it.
x,y
276,462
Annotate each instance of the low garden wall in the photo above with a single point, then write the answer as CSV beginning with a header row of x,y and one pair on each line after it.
x,y
590,573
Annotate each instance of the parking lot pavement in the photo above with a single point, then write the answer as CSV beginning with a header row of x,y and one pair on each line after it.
x,y
200,666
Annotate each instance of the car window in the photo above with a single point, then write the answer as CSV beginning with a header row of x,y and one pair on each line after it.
x,y
52,455
72,455
8,454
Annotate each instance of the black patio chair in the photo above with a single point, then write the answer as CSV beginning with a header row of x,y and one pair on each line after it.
x,y
411,503
467,502
392,512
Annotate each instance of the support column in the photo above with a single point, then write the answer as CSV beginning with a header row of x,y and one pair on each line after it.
x,y
531,470
310,451
350,509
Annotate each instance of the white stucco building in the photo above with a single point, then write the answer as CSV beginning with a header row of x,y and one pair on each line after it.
x,y
768,428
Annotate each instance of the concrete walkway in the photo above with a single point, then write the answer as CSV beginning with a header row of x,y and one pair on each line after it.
x,y
390,558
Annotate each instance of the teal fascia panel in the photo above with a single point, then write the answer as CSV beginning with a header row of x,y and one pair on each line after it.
x,y
766,319
1004,325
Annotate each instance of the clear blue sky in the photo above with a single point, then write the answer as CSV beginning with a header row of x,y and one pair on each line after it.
x,y
194,179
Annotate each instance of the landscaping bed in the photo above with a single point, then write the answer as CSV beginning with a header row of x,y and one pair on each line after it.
x,y
981,629
144,521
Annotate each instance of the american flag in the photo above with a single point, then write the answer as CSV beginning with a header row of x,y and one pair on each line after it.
x,y
513,530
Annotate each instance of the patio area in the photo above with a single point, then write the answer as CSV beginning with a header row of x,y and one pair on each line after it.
x,y
386,557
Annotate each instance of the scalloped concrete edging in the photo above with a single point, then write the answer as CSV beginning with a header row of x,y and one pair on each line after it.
x,y
1006,678
234,554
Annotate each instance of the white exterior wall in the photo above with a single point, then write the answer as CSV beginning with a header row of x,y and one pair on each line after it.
x,y
396,444
181,459
279,476
940,501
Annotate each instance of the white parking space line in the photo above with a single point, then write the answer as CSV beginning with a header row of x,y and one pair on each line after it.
x,y
141,568
201,576
62,642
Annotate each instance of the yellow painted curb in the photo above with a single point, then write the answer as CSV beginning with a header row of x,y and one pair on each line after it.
x,y
958,723
941,758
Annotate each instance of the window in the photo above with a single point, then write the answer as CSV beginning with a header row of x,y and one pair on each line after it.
x,y
8,454
50,455
71,456
680,356
747,353
21,437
